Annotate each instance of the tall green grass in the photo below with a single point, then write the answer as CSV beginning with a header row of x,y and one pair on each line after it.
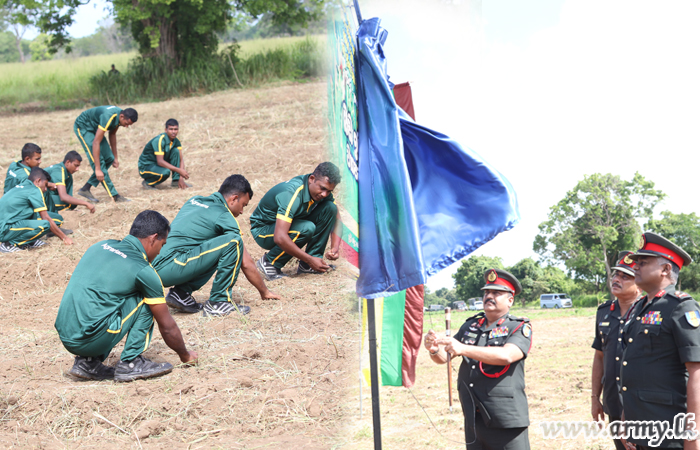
x,y
75,82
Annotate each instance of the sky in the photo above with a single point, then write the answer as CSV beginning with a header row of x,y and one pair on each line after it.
x,y
548,91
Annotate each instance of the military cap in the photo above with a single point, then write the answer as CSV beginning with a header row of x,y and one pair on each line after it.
x,y
625,263
500,280
656,245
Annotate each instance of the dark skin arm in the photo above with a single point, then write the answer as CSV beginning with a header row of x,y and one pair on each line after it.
x,y
284,242
252,274
334,252
55,229
171,333
99,135
63,194
160,160
113,146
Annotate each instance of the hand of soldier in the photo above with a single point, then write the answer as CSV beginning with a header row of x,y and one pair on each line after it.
x,y
181,184
91,207
333,254
51,186
430,341
190,359
184,174
452,345
115,163
99,175
68,241
269,295
319,265
597,409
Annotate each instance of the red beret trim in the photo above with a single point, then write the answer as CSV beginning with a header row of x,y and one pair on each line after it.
x,y
665,252
502,282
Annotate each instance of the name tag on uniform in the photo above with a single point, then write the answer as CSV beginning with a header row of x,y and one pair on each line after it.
x,y
472,335
498,332
604,324
652,318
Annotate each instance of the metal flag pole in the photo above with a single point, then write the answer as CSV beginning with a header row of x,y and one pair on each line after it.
x,y
448,333
357,12
374,375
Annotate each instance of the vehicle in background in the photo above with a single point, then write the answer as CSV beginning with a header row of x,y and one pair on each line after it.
x,y
434,308
459,305
555,301
475,304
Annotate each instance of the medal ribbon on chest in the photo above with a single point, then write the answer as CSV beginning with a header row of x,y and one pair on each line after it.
x,y
652,318
498,332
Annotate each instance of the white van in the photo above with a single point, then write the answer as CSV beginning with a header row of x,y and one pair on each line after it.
x,y
555,301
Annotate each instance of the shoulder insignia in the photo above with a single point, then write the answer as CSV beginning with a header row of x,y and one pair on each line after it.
x,y
682,295
605,305
693,318
518,318
527,330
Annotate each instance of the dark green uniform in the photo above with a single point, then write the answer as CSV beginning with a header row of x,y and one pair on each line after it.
x,y
311,222
160,145
204,238
105,118
661,335
60,176
16,174
107,298
18,211
493,397
608,332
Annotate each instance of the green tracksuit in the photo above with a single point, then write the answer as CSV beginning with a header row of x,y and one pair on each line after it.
x,y
16,174
105,118
311,223
60,176
160,145
204,238
19,209
107,298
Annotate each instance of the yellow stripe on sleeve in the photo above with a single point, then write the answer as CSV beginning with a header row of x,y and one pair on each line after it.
x,y
40,209
285,218
154,301
108,122
291,202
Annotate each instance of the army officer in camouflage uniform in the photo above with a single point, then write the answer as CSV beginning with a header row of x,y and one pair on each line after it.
x,y
610,319
660,374
491,381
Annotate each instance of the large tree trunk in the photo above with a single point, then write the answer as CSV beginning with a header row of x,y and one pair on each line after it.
x,y
168,40
19,33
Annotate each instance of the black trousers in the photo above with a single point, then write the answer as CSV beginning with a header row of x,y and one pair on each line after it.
x,y
485,438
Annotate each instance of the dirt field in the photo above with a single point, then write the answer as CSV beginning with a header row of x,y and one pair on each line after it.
x,y
283,377
269,380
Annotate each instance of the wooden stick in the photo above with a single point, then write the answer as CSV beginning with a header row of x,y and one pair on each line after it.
x,y
448,333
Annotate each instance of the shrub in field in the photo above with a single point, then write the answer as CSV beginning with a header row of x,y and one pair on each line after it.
x,y
588,301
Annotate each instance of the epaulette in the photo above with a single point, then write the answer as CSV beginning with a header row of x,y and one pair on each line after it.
x,y
478,315
680,295
605,304
518,318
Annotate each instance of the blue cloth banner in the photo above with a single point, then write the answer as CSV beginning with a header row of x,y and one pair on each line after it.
x,y
424,201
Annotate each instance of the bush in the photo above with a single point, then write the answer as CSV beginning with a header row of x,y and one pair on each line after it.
x,y
588,301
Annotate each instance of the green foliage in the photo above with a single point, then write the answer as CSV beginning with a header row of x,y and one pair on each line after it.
x,y
40,48
594,221
469,278
8,48
588,301
684,231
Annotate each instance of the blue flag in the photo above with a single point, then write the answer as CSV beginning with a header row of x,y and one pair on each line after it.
x,y
425,202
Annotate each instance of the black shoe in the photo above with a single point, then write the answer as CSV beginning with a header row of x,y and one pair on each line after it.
x,y
120,199
269,271
218,309
6,247
182,301
91,368
139,368
36,244
147,186
88,195
305,268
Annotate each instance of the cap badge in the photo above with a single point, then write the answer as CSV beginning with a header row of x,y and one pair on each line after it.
x,y
492,276
627,260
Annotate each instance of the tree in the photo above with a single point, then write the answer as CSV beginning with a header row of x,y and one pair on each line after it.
x,y
21,15
469,278
684,231
594,221
178,31
40,48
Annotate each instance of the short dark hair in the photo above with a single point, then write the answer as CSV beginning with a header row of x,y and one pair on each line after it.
x,y
171,123
150,222
72,156
29,149
235,184
329,170
131,114
37,173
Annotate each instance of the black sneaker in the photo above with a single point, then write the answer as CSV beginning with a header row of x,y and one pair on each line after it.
x,y
217,309
305,268
67,231
6,247
269,271
90,368
139,368
120,199
147,186
88,195
182,301
36,244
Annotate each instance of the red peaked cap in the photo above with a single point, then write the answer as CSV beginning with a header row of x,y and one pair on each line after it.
x,y
625,263
500,280
656,245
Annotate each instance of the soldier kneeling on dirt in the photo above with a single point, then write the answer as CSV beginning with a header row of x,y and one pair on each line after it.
x,y
115,292
494,345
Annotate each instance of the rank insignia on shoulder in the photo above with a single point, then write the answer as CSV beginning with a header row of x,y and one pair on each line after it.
x,y
693,318
498,332
652,318
527,330
681,294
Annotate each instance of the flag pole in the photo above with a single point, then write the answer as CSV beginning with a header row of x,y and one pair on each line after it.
x,y
448,333
357,12
374,375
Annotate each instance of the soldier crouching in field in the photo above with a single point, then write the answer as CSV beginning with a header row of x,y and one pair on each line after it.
x,y
115,292
491,381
